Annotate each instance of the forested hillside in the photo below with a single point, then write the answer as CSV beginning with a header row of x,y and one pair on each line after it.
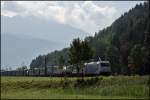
x,y
123,43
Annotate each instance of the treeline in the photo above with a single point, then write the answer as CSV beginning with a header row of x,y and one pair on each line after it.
x,y
125,44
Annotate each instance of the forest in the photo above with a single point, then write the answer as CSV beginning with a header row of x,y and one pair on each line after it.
x,y
125,43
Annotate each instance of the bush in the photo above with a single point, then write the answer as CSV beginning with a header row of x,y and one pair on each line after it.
x,y
87,82
65,82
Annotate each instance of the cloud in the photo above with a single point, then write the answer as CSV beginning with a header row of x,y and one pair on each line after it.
x,y
87,15
6,11
91,17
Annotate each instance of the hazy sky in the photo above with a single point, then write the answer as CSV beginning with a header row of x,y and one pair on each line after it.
x,y
86,16
89,16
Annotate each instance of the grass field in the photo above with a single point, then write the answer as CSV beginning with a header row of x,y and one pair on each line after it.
x,y
111,87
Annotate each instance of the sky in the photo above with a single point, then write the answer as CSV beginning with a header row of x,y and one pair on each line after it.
x,y
89,16
63,18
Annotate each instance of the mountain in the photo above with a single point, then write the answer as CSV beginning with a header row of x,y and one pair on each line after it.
x,y
40,28
17,49
24,37
124,42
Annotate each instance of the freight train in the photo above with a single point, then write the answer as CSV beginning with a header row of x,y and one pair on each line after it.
x,y
89,69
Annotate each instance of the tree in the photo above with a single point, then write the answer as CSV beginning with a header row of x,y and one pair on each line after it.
x,y
113,57
136,56
10,68
22,68
100,49
6,68
86,54
61,62
86,51
75,53
80,52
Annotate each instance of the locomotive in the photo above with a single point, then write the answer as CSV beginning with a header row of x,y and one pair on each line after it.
x,y
97,68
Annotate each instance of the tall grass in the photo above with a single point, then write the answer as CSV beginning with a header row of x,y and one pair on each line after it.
x,y
53,87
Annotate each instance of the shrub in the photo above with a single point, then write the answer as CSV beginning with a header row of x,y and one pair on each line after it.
x,y
87,82
65,82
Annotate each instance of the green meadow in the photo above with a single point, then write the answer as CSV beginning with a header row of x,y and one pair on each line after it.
x,y
102,87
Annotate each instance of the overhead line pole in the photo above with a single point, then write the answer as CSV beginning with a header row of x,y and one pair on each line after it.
x,y
45,66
